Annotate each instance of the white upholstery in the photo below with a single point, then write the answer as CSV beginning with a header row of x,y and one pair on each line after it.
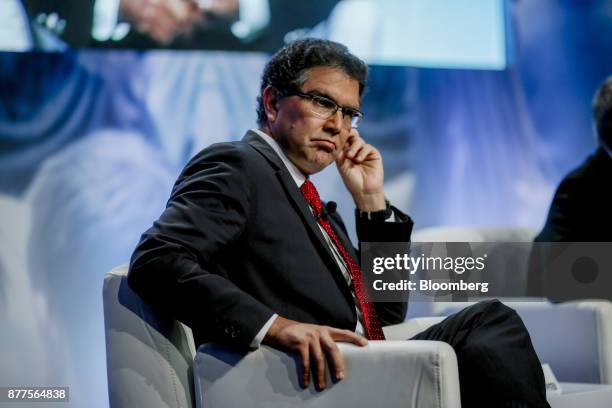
x,y
410,328
149,357
583,396
383,374
574,337
150,361
474,234
573,394
603,320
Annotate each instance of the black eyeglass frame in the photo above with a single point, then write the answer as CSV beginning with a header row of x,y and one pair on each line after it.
x,y
355,114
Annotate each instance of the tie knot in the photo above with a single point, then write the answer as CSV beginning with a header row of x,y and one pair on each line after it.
x,y
312,197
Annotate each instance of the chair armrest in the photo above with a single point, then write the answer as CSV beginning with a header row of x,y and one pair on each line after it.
x,y
383,374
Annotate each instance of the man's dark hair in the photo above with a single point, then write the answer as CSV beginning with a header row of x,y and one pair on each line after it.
x,y
602,113
288,69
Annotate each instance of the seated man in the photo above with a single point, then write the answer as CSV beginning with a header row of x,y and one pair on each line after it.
x,y
246,253
581,210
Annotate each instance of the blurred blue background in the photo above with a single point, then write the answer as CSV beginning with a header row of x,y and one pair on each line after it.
x,y
92,140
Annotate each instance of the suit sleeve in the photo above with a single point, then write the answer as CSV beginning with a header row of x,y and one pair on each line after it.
x,y
563,222
172,266
380,231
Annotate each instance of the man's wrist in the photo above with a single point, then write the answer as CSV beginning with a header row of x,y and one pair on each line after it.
x,y
277,327
380,215
259,337
370,202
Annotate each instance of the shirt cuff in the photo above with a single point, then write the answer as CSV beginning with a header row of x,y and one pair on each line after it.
x,y
395,229
256,342
392,218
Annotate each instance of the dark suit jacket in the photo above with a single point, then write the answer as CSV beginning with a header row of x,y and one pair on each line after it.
x,y
581,210
238,242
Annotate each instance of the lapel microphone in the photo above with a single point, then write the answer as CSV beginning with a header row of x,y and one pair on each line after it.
x,y
329,209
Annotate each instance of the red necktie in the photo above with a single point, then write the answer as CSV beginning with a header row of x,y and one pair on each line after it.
x,y
371,322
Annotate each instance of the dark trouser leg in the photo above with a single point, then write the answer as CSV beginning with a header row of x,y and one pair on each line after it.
x,y
498,366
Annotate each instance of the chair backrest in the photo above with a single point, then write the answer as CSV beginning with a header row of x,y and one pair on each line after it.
x,y
149,356
568,337
474,234
507,250
586,357
603,316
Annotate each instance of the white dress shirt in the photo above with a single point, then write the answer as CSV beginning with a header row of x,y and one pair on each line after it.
x,y
299,179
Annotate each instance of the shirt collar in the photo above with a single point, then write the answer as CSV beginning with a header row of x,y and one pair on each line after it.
x,y
296,174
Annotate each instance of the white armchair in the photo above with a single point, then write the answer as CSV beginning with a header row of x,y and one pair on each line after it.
x,y
151,362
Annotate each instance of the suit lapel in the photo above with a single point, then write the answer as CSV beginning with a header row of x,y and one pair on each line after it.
x,y
344,238
299,202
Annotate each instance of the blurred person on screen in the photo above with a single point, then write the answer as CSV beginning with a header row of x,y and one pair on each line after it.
x,y
259,25
105,22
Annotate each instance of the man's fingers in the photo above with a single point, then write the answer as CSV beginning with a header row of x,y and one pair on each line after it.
x,y
315,345
165,19
364,152
184,13
334,356
348,337
353,143
163,32
318,358
153,22
177,9
355,148
305,373
353,136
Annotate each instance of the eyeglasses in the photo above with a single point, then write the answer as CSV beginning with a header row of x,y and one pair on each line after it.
x,y
325,108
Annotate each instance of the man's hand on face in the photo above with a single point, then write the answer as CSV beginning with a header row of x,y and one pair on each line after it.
x,y
314,344
361,167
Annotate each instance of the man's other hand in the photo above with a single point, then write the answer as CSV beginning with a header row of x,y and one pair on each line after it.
x,y
361,167
314,344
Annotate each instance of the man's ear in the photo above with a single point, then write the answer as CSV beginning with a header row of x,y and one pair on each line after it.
x,y
271,98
